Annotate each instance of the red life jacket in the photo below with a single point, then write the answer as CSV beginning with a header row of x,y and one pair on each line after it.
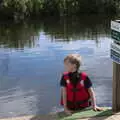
x,y
77,97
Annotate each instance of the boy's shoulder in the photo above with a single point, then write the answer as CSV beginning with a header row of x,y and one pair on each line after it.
x,y
80,72
65,73
83,73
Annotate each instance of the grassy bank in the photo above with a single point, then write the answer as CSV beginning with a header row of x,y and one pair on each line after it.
x,y
20,9
86,114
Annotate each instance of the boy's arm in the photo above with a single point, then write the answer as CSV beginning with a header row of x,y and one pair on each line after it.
x,y
92,95
63,93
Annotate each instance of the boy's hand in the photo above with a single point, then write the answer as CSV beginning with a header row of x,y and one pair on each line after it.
x,y
96,108
67,111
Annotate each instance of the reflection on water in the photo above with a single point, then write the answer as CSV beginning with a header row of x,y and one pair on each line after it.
x,y
31,56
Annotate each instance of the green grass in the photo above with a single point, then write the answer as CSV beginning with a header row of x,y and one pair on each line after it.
x,y
85,114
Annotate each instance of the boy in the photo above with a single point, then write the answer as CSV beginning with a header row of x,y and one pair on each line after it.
x,y
76,88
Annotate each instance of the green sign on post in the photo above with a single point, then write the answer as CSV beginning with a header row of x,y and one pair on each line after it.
x,y
115,53
115,30
115,35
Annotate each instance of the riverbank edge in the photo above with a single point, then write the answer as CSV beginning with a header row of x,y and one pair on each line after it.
x,y
115,116
54,116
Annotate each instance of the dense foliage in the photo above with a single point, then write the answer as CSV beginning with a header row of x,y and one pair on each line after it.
x,y
19,9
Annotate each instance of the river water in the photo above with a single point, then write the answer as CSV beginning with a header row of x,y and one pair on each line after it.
x,y
31,61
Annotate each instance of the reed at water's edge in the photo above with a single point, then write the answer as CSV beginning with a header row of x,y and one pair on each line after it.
x,y
21,9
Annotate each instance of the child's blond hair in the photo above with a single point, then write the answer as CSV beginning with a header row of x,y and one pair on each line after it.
x,y
74,59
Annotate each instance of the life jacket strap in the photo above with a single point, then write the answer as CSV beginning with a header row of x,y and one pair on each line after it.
x,y
78,102
75,90
82,102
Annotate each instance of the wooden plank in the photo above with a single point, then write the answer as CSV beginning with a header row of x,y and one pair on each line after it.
x,y
116,87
